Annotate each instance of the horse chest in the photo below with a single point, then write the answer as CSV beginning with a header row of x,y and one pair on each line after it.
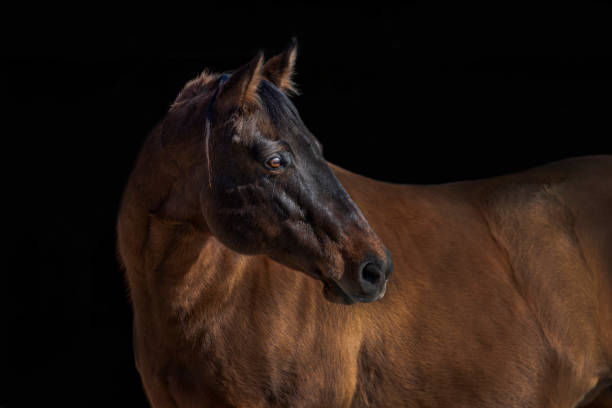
x,y
232,368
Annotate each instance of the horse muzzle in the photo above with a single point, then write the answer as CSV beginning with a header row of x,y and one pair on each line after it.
x,y
368,284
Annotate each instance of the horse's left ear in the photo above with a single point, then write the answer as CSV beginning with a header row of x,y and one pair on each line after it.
x,y
279,69
240,90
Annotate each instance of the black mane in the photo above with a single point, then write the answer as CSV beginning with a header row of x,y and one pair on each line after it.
x,y
279,107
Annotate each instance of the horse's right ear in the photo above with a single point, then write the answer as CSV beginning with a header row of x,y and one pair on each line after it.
x,y
280,69
240,90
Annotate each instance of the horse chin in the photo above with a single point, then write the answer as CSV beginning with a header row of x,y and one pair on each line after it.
x,y
333,293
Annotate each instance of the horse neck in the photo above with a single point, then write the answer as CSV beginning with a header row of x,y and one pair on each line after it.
x,y
190,272
160,184
170,256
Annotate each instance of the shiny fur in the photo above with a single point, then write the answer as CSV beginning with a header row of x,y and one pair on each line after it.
x,y
501,295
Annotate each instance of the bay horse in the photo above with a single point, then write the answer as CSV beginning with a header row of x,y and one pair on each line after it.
x,y
260,275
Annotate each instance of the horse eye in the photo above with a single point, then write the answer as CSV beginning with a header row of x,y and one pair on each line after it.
x,y
274,162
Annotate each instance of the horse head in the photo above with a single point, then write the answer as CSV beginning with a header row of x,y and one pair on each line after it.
x,y
266,188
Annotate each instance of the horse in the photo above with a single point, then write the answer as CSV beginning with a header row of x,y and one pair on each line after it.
x,y
260,275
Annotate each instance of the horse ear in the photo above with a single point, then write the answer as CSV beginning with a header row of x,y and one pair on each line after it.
x,y
279,69
240,90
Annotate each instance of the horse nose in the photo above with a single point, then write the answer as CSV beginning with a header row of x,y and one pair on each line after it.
x,y
372,277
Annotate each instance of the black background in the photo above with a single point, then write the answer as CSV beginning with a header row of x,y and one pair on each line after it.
x,y
422,93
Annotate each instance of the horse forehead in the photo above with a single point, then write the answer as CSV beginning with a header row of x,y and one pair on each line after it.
x,y
294,137
274,123
262,128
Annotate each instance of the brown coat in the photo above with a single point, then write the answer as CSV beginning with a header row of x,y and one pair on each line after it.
x,y
501,297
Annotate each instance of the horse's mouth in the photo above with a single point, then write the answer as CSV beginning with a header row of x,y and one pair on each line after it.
x,y
332,291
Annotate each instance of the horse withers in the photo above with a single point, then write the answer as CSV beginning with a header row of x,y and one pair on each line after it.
x,y
259,273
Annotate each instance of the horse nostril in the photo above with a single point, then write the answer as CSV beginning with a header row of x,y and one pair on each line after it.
x,y
371,273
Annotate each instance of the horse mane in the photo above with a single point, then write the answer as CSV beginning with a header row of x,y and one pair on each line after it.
x,y
194,88
281,110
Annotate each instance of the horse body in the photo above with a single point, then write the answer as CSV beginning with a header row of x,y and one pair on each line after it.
x,y
505,287
501,296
